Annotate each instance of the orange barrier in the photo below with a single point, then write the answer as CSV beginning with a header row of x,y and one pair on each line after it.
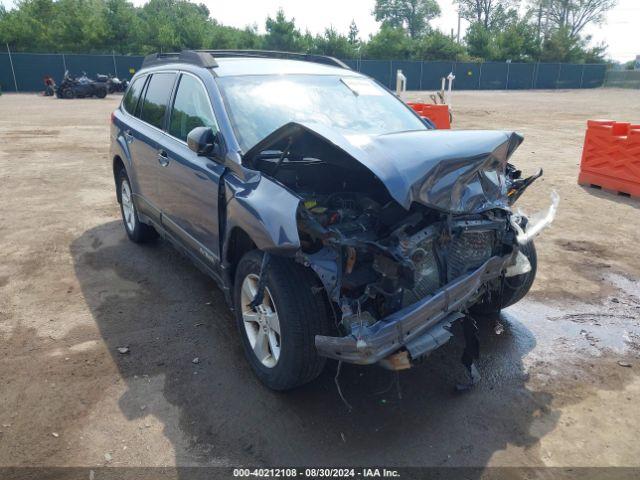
x,y
611,157
438,114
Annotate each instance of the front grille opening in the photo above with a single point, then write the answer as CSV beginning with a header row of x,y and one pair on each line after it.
x,y
468,251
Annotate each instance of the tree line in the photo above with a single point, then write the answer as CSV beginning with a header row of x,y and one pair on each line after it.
x,y
500,30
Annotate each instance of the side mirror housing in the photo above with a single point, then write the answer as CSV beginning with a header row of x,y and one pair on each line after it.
x,y
204,142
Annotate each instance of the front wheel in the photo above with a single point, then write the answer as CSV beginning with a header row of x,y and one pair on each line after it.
x,y
101,93
278,335
69,94
514,288
137,231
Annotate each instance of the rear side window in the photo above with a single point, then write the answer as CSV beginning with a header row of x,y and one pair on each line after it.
x,y
191,108
155,101
133,94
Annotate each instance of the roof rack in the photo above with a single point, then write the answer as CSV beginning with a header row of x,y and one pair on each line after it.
x,y
306,57
202,59
207,58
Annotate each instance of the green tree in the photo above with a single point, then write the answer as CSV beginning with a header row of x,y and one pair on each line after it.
x,y
352,36
333,44
78,26
484,12
171,25
122,24
412,15
573,16
27,27
560,46
517,41
282,33
437,46
595,54
389,43
480,41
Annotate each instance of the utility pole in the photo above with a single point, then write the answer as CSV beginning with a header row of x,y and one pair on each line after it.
x,y
458,36
540,2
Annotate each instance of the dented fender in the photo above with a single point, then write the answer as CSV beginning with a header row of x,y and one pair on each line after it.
x,y
265,211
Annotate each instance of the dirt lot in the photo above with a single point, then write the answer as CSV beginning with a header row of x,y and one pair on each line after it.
x,y
73,289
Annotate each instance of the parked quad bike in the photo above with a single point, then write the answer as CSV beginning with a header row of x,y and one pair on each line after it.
x,y
114,84
80,87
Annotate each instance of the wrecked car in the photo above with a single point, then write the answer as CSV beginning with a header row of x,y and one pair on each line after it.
x,y
337,222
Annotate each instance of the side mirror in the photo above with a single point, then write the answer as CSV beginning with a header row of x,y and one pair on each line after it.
x,y
204,142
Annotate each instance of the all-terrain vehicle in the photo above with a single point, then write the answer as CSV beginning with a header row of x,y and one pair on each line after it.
x,y
114,84
80,87
336,221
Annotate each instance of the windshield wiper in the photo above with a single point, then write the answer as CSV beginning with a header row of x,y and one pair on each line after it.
x,y
285,153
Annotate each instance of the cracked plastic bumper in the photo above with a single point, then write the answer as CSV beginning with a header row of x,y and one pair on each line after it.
x,y
368,345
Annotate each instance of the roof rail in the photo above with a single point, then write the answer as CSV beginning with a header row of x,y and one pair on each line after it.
x,y
200,58
306,57
207,58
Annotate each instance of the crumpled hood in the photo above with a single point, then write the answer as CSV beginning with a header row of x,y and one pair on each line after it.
x,y
453,171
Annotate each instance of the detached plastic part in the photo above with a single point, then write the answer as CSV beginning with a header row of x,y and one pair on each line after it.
x,y
521,266
537,222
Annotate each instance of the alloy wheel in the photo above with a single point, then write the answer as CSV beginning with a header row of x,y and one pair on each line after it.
x,y
128,209
261,323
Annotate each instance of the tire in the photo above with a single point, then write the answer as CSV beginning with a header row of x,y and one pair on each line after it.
x,y
290,359
101,93
68,93
137,231
514,289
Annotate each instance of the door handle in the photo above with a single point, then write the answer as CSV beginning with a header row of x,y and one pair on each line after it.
x,y
163,158
128,137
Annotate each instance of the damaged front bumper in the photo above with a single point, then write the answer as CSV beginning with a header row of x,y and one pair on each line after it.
x,y
420,328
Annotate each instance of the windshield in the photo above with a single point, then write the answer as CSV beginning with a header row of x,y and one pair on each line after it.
x,y
260,104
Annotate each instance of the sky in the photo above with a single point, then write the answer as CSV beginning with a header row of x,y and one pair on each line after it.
x,y
620,31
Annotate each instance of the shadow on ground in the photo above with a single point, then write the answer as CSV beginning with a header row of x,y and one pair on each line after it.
x,y
154,301
612,196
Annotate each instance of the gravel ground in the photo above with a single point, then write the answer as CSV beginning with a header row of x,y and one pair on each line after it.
x,y
73,290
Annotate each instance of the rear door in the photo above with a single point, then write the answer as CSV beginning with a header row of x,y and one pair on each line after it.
x,y
131,104
189,184
148,137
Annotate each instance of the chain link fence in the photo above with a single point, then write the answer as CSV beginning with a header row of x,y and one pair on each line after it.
x,y
622,79
24,72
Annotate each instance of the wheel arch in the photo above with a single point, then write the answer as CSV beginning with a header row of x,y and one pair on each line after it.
x,y
117,165
238,244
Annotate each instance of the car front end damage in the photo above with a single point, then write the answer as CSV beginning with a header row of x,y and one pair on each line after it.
x,y
406,232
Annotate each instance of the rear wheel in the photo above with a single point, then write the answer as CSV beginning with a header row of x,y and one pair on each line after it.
x,y
137,231
514,288
101,93
68,93
278,335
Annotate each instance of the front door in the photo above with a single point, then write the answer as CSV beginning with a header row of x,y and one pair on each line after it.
x,y
188,184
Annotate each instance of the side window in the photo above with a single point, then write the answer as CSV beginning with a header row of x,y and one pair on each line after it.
x,y
130,99
191,109
155,101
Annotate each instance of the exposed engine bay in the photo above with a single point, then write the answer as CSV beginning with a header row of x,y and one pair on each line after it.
x,y
388,239
391,259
